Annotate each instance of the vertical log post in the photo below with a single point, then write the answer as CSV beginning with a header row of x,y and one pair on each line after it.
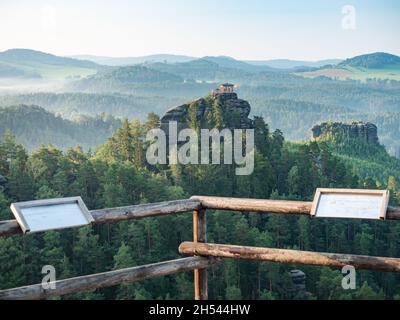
x,y
200,235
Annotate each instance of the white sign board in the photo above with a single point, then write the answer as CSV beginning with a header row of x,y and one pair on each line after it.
x,y
53,214
350,203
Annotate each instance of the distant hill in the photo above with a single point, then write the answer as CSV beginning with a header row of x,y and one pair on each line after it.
x,y
289,64
377,65
34,126
377,60
71,104
124,61
228,62
137,74
211,69
30,63
124,79
223,61
27,57
196,69
9,71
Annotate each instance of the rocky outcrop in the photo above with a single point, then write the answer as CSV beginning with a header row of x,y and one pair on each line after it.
x,y
299,290
235,112
365,131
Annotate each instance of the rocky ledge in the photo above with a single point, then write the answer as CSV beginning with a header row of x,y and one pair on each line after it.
x,y
235,112
365,131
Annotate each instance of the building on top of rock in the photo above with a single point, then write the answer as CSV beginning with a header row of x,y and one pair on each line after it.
x,y
224,88
365,131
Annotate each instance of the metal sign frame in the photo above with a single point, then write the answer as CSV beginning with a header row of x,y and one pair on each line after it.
x,y
380,215
18,208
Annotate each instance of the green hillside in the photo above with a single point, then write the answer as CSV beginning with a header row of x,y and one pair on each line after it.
x,y
126,61
377,65
118,175
124,79
72,104
355,73
377,60
30,63
296,118
33,126
369,161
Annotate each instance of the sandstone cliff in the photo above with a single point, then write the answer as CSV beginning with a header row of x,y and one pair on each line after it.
x,y
224,110
364,131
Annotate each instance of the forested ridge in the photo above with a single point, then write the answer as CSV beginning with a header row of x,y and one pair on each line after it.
x,y
117,174
33,126
282,97
296,119
74,104
369,161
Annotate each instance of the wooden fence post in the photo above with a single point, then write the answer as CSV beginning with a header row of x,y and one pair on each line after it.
x,y
200,235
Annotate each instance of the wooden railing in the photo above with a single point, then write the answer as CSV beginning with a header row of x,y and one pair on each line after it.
x,y
268,206
11,227
107,279
205,254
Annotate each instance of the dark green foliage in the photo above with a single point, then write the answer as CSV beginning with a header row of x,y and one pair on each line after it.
x,y
34,126
118,175
73,105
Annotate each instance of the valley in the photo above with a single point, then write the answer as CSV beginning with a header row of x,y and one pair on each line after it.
x,y
281,95
182,151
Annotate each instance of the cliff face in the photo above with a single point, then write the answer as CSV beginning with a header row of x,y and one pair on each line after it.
x,y
232,112
364,131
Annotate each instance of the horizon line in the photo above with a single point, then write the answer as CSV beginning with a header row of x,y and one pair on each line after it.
x,y
192,56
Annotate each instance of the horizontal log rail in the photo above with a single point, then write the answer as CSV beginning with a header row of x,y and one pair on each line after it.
x,y
199,249
11,227
291,256
269,206
107,279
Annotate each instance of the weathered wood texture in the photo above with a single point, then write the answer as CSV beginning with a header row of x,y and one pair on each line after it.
x,y
291,256
200,235
11,227
393,213
254,205
270,206
107,279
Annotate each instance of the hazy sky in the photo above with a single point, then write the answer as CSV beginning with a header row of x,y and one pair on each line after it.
x,y
244,29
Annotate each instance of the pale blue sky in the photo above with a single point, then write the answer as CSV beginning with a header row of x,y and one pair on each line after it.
x,y
251,29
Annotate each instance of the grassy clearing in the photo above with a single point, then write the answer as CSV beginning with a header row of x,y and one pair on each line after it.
x,y
353,73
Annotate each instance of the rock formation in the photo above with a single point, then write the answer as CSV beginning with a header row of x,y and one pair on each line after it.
x,y
234,111
364,131
299,290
